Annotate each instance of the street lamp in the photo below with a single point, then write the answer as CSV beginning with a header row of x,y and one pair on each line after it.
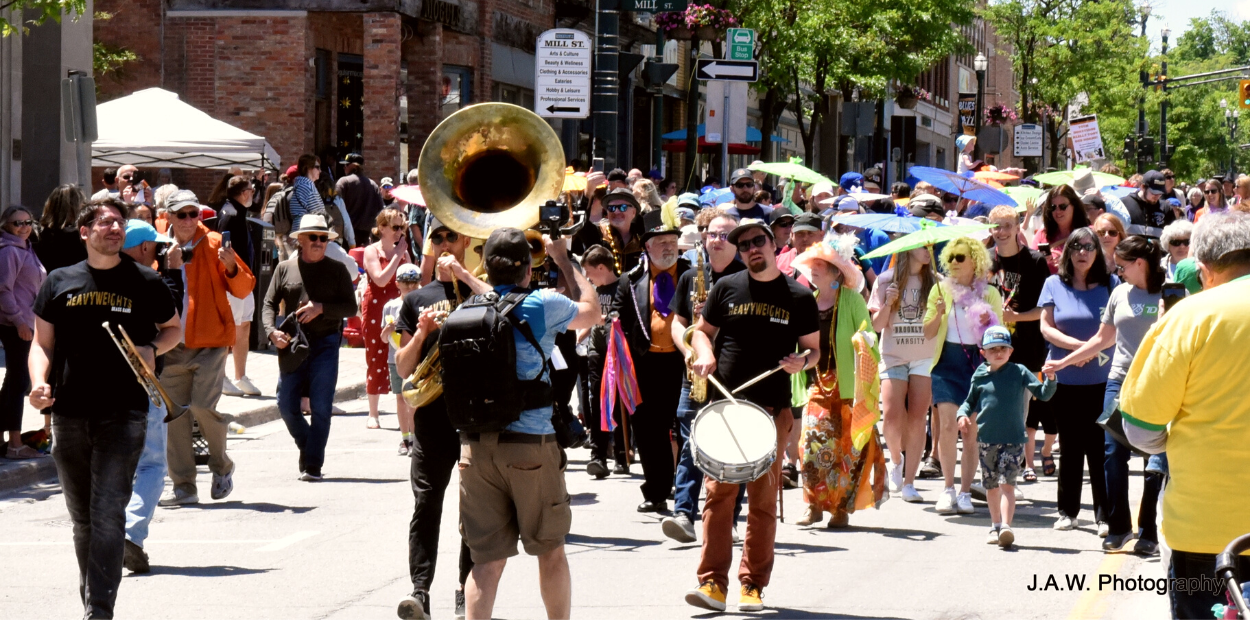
x,y
1163,105
1230,121
1142,77
980,64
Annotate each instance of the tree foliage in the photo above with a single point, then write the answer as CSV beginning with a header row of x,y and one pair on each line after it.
x,y
43,9
109,60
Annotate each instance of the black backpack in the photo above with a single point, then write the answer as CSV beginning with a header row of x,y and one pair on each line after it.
x,y
477,352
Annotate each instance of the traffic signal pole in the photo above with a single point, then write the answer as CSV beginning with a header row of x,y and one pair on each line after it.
x,y
1165,83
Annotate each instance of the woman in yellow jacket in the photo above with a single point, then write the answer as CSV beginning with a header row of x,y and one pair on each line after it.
x,y
961,307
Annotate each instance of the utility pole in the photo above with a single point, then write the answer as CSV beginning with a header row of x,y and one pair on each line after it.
x,y
1164,155
605,91
657,108
1144,78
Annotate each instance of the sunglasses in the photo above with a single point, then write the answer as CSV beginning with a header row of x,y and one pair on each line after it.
x,y
1169,177
1119,269
319,238
744,184
450,237
182,215
950,198
397,228
1108,233
619,207
958,258
718,236
1211,192
127,177
1084,247
22,223
1176,243
753,242
1060,206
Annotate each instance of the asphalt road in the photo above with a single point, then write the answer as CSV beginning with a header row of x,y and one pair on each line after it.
x,y
280,548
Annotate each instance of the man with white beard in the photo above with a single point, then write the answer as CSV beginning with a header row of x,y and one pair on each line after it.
x,y
643,302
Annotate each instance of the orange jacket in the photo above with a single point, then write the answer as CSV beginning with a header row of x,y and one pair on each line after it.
x,y
210,322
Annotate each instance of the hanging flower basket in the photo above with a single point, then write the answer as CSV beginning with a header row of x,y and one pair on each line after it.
x,y
908,97
1000,115
708,33
679,34
702,21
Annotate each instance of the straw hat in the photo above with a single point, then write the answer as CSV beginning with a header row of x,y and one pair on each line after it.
x,y
837,251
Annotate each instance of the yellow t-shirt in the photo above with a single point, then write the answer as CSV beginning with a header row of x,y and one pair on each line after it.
x,y
1185,375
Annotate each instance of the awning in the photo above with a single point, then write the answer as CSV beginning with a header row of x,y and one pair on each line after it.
x,y
679,146
753,134
152,128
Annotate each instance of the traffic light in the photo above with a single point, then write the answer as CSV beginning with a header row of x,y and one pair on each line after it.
x,y
657,73
1146,149
1243,92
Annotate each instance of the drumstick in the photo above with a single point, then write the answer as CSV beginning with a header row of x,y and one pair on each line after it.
x,y
729,395
748,384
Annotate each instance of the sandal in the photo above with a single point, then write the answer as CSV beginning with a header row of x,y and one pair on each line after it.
x,y
24,452
1048,465
372,423
1030,475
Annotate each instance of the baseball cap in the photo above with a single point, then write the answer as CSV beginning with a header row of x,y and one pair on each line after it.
x,y
851,179
621,194
386,182
807,222
846,203
509,244
180,199
781,216
353,158
996,336
689,199
290,172
926,204
685,213
408,273
748,224
139,231
1152,181
1095,200
740,173
822,188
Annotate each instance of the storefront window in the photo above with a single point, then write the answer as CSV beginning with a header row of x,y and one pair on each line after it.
x,y
457,89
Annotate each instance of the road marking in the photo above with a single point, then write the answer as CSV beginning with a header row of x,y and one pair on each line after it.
x,y
1092,603
288,541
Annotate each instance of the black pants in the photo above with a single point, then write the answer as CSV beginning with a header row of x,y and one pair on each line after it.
x,y
95,461
16,379
435,452
659,381
600,440
1209,591
1077,408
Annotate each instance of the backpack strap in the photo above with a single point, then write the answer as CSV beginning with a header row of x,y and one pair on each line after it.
x,y
506,305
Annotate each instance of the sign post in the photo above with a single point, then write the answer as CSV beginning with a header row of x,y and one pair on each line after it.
x,y
562,74
1027,141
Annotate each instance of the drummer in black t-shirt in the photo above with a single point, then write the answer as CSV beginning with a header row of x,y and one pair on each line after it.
x,y
757,318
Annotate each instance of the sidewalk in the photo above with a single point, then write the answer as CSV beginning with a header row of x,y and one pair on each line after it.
x,y
262,369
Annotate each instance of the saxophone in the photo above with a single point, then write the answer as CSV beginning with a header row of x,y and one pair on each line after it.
x,y
426,383
698,385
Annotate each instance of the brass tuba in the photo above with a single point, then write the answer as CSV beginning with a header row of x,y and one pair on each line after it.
x,y
487,166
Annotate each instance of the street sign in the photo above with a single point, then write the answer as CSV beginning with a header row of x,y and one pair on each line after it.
x,y
653,6
562,74
1028,141
728,70
741,44
732,122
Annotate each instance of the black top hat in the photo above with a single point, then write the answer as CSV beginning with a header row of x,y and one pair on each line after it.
x,y
653,225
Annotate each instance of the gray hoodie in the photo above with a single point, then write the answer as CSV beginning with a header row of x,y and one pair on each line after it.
x,y
21,275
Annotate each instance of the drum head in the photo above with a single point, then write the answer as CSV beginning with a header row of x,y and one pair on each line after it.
x,y
735,433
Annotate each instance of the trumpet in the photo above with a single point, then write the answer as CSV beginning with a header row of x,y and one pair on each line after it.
x,y
156,394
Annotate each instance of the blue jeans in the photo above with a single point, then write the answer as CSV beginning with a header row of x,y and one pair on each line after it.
x,y
1119,513
95,462
689,479
317,376
149,478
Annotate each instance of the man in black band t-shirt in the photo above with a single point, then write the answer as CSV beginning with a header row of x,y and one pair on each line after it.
x,y
757,318
99,411
435,444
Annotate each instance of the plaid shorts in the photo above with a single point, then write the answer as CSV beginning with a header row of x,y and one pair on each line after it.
x,y
1000,463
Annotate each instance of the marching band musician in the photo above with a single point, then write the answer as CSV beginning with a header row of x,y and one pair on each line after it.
x,y
689,480
622,233
643,302
99,411
756,319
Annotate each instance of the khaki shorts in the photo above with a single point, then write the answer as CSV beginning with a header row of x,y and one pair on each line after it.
x,y
511,491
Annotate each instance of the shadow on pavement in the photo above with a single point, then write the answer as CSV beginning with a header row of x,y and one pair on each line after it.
x,y
256,506
803,548
783,612
1054,550
583,499
365,480
891,532
202,571
608,544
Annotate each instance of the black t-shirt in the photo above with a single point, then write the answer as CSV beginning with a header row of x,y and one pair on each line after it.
x,y
90,377
599,333
759,324
1019,280
437,295
685,284
1142,213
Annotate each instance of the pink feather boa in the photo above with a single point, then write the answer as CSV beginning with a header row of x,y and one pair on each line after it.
x,y
972,301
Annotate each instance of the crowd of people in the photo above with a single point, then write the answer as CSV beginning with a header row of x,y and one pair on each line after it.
x,y
1059,317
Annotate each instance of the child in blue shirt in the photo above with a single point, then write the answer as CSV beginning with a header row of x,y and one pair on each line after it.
x,y
996,403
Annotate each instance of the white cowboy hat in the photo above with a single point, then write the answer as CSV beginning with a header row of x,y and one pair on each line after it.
x,y
313,224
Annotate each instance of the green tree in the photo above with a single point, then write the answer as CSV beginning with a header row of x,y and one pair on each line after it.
x,y
44,10
109,60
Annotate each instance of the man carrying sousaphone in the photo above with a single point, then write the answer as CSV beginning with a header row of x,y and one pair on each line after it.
x,y
757,318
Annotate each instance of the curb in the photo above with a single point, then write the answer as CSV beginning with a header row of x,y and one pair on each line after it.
x,y
23,474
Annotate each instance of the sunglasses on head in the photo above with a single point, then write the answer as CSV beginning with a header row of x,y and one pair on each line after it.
x,y
1060,206
753,242
22,223
1176,243
619,207
958,258
450,237
744,184
319,238
182,215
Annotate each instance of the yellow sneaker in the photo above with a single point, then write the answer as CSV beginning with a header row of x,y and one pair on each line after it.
x,y
752,598
708,596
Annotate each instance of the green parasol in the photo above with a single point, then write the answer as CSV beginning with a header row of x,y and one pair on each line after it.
x,y
929,234
1064,177
1022,194
793,169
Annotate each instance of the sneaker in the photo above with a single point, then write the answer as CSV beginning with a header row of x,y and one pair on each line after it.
x,y
751,598
964,504
1116,542
229,389
1145,547
992,539
179,497
1065,523
311,475
896,479
978,491
946,502
1006,537
620,469
460,614
929,469
403,448
415,606
910,495
134,559
246,386
708,596
679,528
1103,529
222,485
597,468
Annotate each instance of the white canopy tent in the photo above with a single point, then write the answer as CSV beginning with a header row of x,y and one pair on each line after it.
x,y
152,128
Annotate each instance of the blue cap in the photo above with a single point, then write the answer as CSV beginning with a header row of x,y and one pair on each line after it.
x,y
851,179
689,199
408,272
996,336
139,231
685,213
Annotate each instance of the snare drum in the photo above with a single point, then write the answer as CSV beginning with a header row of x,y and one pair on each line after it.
x,y
733,442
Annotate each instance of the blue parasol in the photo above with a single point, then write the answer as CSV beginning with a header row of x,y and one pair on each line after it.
x,y
954,183
887,222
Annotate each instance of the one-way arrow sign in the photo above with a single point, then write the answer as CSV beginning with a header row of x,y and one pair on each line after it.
x,y
555,109
728,70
